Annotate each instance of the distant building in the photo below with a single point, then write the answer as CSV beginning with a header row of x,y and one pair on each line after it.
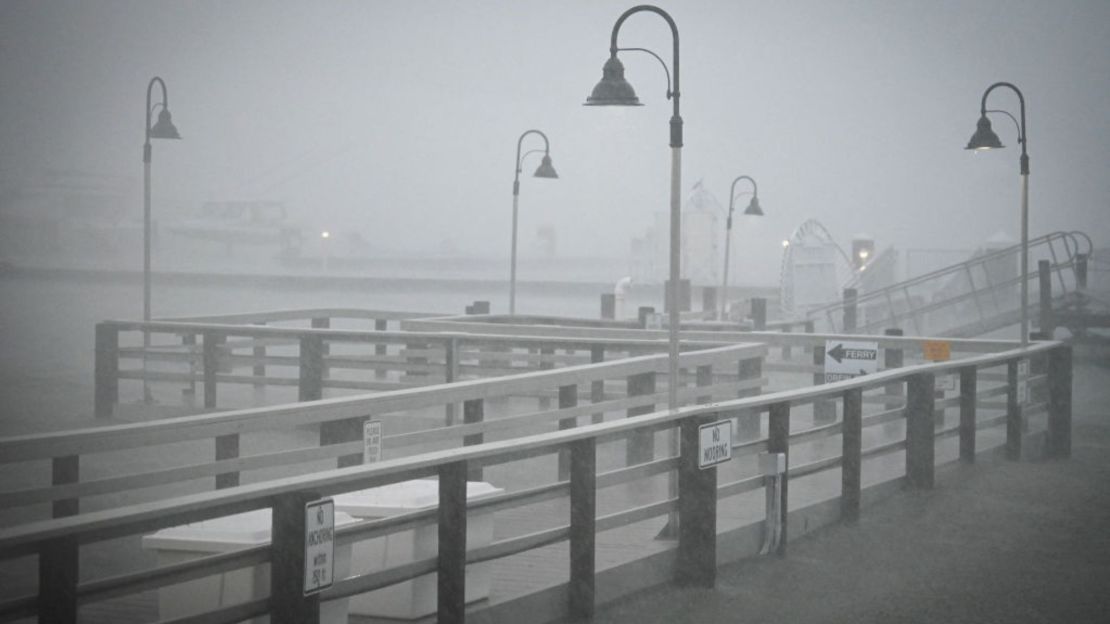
x,y
649,254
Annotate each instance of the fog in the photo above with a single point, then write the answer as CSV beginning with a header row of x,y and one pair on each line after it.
x,y
399,120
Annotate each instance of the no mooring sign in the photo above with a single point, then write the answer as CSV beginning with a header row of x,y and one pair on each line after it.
x,y
714,443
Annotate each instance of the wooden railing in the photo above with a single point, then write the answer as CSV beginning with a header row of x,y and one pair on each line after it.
x,y
314,359
57,542
415,416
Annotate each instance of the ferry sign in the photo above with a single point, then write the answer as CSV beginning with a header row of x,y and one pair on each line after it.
x,y
319,545
714,443
846,359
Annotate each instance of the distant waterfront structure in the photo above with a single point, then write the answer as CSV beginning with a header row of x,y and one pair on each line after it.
x,y
648,253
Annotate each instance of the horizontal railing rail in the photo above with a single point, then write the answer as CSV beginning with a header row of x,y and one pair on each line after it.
x,y
303,314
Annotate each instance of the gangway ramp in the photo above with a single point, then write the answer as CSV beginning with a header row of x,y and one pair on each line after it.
x,y
969,298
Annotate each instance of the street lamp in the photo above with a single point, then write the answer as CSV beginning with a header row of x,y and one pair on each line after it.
x,y
545,170
163,129
614,90
754,210
985,139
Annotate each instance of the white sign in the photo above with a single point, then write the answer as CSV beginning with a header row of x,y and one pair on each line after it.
x,y
319,545
714,443
1023,383
946,382
371,441
847,359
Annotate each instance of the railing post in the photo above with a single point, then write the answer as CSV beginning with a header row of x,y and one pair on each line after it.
x,y
211,360
189,394
340,431
1044,276
64,470
759,313
778,441
786,352
227,447
1038,367
380,349
583,527
547,362
748,419
259,353
920,443
106,370
608,306
450,374
58,574
824,410
851,458
597,387
474,412
1059,402
1081,272
703,378
1014,417
288,604
893,357
696,563
968,390
310,384
414,361
451,575
325,348
850,310
640,445
568,397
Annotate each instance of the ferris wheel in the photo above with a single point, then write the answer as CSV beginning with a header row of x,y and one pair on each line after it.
x,y
813,268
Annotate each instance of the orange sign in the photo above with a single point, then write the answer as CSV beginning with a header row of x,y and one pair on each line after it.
x,y
937,350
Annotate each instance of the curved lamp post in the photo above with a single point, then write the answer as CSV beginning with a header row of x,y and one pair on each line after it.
x,y
163,129
985,139
614,90
545,170
754,210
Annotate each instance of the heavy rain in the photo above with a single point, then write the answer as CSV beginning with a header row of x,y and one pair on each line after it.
x,y
791,312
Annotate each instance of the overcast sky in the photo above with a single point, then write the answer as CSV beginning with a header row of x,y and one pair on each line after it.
x,y
400,119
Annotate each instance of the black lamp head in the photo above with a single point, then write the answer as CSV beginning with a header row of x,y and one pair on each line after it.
x,y
545,170
984,138
164,128
613,90
753,207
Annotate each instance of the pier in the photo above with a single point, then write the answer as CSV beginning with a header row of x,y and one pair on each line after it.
x,y
602,496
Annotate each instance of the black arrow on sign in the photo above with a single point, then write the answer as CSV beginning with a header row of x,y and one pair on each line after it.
x,y
837,353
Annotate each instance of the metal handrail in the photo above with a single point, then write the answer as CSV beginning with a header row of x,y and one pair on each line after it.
x,y
1073,243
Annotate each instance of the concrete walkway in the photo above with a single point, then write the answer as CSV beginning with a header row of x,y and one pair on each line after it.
x,y
994,542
